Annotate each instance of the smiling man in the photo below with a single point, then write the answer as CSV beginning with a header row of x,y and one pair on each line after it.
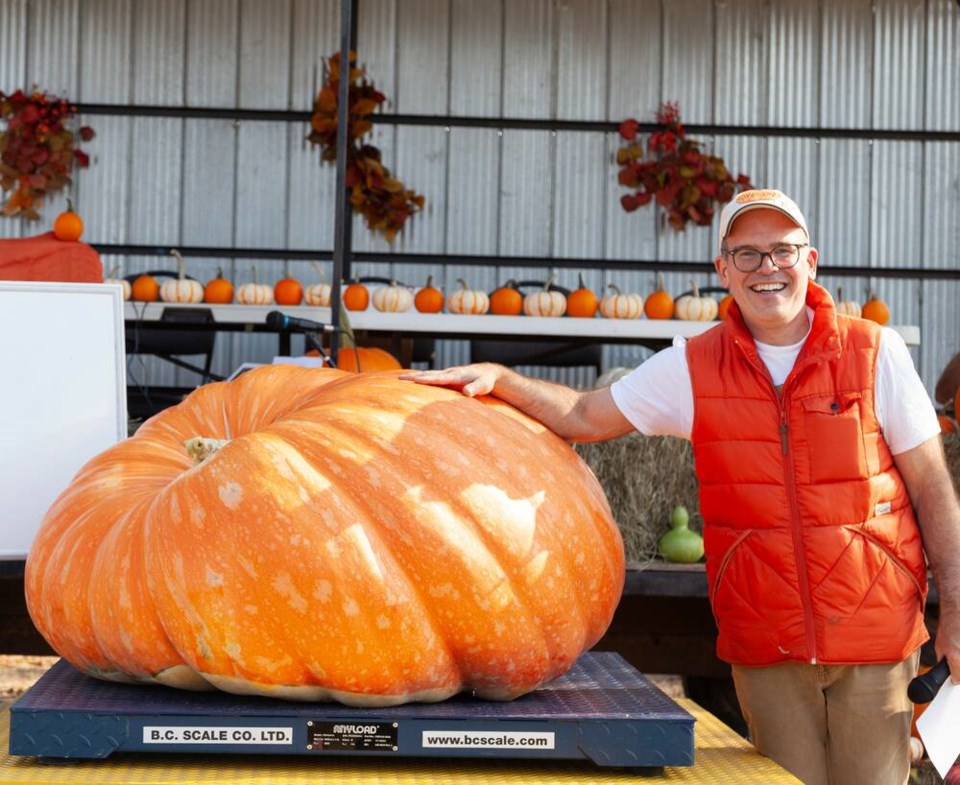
x,y
822,488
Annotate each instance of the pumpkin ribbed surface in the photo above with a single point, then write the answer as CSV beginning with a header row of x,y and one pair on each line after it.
x,y
355,538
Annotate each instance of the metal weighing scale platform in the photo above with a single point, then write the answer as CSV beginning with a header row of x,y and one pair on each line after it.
x,y
602,710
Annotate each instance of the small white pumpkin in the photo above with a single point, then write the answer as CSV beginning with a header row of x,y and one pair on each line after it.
x,y
618,305
694,308
125,288
467,301
545,302
254,293
181,289
393,298
318,294
848,307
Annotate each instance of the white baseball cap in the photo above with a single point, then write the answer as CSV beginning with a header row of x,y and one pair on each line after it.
x,y
750,200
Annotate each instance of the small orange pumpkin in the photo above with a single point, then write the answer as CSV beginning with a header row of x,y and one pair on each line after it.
x,y
68,226
429,299
582,302
366,359
287,291
356,297
876,310
218,291
659,305
506,300
145,289
723,307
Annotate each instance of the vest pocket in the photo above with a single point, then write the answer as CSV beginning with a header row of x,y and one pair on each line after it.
x,y
835,445
895,560
722,568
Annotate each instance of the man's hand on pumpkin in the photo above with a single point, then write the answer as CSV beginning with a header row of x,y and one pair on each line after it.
x,y
471,380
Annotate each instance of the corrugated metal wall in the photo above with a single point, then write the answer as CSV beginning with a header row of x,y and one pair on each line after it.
x,y
856,64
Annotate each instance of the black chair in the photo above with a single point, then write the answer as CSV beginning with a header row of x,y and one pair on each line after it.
x,y
561,353
171,344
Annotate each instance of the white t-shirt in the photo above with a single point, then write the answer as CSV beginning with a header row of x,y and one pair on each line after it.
x,y
657,396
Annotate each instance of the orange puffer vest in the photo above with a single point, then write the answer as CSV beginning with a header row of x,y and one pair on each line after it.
x,y
813,551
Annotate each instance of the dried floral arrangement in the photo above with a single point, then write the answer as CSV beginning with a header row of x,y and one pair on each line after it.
x,y
679,176
38,150
383,200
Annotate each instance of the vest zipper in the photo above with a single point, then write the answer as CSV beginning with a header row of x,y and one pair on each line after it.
x,y
790,482
795,525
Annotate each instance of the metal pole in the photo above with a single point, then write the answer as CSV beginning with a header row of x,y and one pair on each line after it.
x,y
342,236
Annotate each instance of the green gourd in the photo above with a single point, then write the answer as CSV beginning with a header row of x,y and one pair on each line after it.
x,y
681,544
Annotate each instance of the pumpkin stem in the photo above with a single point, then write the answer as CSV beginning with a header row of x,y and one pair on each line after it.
x,y
616,289
463,284
70,205
582,285
429,282
660,286
200,448
549,284
695,288
181,265
319,269
113,271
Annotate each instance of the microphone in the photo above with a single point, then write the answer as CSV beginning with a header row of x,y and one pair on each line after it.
x,y
276,320
923,689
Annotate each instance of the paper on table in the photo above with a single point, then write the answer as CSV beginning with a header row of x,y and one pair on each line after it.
x,y
939,727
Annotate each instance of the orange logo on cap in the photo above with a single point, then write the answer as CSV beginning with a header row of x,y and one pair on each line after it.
x,y
757,196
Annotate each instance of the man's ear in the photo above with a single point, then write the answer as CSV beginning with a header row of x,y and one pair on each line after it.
x,y
812,257
720,265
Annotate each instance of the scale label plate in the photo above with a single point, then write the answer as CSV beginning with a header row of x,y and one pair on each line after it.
x,y
213,734
323,736
488,740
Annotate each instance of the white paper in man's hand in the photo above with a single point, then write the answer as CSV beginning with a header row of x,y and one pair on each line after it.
x,y
939,728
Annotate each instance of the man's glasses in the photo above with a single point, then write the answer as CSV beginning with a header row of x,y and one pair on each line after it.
x,y
784,256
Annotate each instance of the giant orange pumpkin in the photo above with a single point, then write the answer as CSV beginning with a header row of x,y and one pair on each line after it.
x,y
350,537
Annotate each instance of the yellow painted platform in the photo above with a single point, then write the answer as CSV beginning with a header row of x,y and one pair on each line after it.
x,y
722,758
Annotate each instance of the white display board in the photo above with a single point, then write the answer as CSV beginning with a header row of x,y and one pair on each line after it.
x,y
62,394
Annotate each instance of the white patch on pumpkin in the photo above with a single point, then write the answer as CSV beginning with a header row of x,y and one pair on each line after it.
x,y
365,550
283,585
322,590
214,578
373,476
360,647
350,607
518,516
534,569
295,538
383,623
253,610
442,590
231,494
232,649
579,559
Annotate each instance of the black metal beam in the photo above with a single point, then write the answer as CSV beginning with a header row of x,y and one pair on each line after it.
x,y
200,252
520,123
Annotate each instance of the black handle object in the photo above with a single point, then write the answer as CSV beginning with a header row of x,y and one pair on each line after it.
x,y
923,689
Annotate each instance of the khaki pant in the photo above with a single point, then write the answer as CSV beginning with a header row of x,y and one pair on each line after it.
x,y
831,724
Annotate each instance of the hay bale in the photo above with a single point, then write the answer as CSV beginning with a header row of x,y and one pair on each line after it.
x,y
644,477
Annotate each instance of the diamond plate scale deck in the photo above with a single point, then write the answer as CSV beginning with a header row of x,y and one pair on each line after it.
x,y
603,710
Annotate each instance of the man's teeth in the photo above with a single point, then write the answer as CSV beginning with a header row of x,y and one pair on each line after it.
x,y
768,287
